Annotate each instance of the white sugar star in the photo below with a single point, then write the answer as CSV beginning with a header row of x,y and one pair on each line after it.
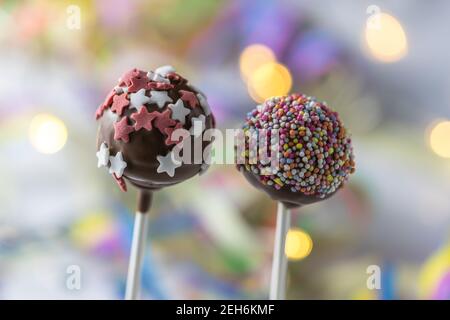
x,y
103,155
179,112
138,99
198,125
168,164
164,70
204,103
120,90
157,77
160,98
117,164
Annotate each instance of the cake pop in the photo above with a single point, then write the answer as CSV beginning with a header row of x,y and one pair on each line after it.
x,y
136,123
315,160
136,140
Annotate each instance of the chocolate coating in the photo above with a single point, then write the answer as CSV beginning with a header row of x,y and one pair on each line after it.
x,y
141,151
287,197
144,201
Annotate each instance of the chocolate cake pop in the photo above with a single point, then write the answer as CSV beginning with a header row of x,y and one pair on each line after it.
x,y
136,122
140,139
316,155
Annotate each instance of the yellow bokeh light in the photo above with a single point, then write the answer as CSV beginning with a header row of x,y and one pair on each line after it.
x,y
48,134
92,229
270,79
253,57
433,270
440,139
298,244
385,38
364,294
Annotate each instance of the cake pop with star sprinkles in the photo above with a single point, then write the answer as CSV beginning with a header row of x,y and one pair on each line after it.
x,y
147,125
136,122
315,150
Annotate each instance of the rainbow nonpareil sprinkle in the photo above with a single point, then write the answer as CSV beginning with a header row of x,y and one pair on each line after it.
x,y
315,150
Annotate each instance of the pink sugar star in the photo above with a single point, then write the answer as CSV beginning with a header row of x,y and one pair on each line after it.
x,y
125,79
109,98
120,182
143,119
169,131
175,77
159,85
164,120
189,97
120,102
99,111
105,105
122,129
138,83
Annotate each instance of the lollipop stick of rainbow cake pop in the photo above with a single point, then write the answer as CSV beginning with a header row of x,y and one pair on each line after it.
x,y
138,245
279,262
138,123
315,159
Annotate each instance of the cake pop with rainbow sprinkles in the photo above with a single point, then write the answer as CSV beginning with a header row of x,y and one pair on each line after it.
x,y
315,150
313,159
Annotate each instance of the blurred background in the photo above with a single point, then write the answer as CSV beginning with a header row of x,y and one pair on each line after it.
x,y
382,64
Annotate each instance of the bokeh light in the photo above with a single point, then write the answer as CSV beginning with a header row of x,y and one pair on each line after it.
x,y
48,134
253,57
270,79
93,229
440,139
434,272
298,244
385,38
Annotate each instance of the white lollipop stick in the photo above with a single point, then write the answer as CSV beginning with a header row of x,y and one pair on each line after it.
x,y
279,263
138,247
